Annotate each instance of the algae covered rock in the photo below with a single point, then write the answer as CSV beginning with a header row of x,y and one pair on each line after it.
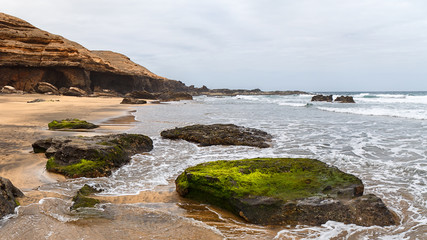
x,y
284,191
96,156
81,198
70,123
8,193
220,134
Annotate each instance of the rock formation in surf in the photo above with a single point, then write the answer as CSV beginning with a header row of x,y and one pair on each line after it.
x,y
8,193
97,156
220,134
284,191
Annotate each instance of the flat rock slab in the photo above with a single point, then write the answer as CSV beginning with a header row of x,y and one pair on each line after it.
x,y
284,191
96,156
220,134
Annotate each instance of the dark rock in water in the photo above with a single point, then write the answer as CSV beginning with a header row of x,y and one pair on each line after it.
x,y
8,193
74,91
321,98
81,198
71,124
284,191
173,96
345,99
141,95
96,156
220,134
133,101
45,87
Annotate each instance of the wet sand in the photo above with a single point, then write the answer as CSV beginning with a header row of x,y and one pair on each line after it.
x,y
157,214
22,123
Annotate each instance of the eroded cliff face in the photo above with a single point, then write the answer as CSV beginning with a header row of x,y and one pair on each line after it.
x,y
29,55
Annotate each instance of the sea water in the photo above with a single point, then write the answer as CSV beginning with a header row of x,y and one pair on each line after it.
x,y
382,139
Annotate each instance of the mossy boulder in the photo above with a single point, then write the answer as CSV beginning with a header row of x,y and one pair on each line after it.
x,y
71,124
220,134
284,191
93,156
8,194
81,198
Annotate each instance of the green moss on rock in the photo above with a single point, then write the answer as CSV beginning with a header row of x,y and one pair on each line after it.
x,y
81,199
71,124
281,178
83,168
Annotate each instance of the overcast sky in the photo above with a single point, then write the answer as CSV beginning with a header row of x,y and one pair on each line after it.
x,y
312,45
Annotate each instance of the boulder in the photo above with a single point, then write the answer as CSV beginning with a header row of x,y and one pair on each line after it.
x,y
140,95
128,100
97,156
8,193
45,87
70,123
74,91
173,96
345,99
284,191
220,134
321,98
8,89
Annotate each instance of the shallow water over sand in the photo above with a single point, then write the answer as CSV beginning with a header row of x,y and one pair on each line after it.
x,y
387,152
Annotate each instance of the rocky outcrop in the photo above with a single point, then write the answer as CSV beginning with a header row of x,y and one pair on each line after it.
x,y
8,193
173,96
133,101
91,156
8,89
45,87
30,55
284,191
220,134
141,95
321,98
345,99
74,91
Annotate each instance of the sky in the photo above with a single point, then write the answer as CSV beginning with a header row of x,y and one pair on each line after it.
x,y
309,45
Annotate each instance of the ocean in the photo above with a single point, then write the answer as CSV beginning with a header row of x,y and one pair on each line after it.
x,y
382,139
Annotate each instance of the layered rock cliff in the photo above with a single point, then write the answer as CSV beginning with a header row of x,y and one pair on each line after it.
x,y
29,55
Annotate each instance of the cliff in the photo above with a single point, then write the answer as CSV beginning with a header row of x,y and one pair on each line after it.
x,y
29,55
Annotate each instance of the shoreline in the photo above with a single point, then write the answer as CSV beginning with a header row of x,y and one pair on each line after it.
x,y
23,123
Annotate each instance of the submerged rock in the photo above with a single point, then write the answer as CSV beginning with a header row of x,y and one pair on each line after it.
x,y
220,134
345,99
321,98
284,191
81,198
70,123
96,156
8,193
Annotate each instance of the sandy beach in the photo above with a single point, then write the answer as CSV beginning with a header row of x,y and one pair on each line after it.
x,y
22,123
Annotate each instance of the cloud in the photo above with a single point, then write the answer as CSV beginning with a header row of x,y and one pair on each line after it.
x,y
272,44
